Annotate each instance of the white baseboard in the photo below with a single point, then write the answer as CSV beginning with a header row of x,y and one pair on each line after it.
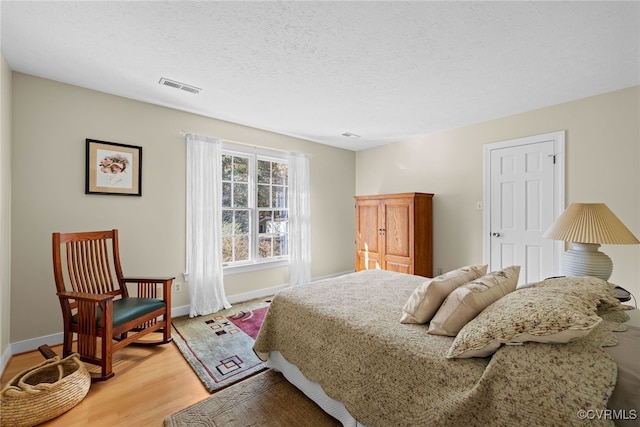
x,y
5,359
330,276
234,299
55,339
180,311
34,343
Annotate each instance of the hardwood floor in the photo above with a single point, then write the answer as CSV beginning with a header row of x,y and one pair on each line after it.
x,y
150,383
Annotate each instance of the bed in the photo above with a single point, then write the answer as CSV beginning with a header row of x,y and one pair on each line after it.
x,y
341,342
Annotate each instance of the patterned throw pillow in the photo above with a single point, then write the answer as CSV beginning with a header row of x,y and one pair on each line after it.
x,y
467,301
427,297
597,289
538,314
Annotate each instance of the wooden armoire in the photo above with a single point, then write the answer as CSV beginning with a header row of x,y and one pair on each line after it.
x,y
395,232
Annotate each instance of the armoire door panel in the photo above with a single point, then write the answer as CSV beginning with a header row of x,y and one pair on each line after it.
x,y
399,265
398,229
368,238
365,262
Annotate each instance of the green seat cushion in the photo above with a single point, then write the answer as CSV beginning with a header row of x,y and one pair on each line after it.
x,y
126,309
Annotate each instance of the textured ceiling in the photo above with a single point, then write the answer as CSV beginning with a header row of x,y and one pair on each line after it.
x,y
386,71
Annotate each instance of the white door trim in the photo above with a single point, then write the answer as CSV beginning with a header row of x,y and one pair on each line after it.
x,y
558,188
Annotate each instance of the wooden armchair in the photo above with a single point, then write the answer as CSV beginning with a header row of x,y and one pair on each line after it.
x,y
95,301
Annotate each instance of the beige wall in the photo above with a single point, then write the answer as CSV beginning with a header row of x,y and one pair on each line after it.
x,y
5,207
50,123
602,165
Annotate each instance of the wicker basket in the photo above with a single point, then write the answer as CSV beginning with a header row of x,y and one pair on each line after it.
x,y
44,391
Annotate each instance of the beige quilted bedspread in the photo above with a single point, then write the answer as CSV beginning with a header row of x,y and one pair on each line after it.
x,y
345,334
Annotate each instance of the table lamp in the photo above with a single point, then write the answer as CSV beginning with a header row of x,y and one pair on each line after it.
x,y
586,226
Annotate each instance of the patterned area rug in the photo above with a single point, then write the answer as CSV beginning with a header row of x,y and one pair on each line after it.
x,y
219,346
265,400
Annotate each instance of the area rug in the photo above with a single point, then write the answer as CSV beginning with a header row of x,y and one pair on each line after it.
x,y
266,399
219,346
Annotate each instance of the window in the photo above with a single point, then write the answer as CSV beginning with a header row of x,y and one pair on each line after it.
x,y
255,208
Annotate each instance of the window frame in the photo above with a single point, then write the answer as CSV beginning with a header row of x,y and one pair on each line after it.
x,y
254,154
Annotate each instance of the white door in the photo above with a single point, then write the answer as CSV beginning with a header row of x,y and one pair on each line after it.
x,y
524,194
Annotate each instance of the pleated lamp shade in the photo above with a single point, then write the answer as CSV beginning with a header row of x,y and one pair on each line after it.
x,y
587,226
590,223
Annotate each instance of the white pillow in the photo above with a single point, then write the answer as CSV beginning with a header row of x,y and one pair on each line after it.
x,y
467,301
428,296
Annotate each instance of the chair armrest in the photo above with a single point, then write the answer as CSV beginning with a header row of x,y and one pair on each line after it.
x,y
85,296
147,279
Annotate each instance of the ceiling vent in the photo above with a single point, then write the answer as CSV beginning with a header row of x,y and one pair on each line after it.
x,y
178,85
350,135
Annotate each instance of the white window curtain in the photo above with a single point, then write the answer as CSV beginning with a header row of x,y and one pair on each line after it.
x,y
204,225
299,219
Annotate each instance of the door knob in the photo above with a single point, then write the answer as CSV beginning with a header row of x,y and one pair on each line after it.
x,y
495,234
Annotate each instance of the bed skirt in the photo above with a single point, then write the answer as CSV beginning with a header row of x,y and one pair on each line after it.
x,y
311,389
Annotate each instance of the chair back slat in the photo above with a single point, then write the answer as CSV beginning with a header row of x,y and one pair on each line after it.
x,y
89,266
104,277
72,266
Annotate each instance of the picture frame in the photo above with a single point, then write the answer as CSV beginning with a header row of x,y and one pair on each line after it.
x,y
113,168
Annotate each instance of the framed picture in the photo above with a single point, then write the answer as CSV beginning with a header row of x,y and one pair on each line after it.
x,y
113,168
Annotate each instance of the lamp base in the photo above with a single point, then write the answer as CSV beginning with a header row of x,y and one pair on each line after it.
x,y
584,259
